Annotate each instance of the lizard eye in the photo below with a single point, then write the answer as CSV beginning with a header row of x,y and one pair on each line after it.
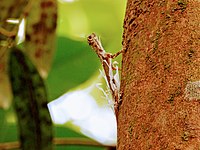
x,y
92,36
89,37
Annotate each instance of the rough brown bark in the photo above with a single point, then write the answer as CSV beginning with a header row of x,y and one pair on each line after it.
x,y
162,57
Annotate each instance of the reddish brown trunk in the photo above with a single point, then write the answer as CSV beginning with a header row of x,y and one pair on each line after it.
x,y
162,57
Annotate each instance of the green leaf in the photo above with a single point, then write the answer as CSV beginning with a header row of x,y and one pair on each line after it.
x,y
8,9
30,103
40,33
74,63
5,91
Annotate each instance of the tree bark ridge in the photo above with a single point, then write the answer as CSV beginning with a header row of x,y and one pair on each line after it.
x,y
162,55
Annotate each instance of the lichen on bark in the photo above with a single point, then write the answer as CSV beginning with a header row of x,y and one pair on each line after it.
x,y
162,55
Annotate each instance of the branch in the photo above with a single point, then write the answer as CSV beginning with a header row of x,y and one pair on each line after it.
x,y
59,141
7,33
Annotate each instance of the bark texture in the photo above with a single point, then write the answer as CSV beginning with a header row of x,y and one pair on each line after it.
x,y
160,87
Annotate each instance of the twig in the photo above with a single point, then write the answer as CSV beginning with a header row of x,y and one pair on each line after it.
x,y
106,61
7,33
58,141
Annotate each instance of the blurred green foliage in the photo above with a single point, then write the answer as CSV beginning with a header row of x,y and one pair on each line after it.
x,y
74,62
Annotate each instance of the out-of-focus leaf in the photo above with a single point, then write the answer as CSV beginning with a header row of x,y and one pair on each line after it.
x,y
11,9
5,91
40,33
82,17
8,9
41,18
30,103
74,63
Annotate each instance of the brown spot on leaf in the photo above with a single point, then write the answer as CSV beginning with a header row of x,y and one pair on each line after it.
x,y
38,53
28,37
2,67
46,4
44,16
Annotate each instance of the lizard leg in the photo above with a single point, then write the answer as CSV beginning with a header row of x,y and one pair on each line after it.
x,y
116,54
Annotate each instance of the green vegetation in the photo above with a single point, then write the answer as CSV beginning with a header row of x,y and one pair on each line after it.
x,y
68,64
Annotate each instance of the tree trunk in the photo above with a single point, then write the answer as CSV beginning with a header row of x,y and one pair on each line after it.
x,y
160,87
